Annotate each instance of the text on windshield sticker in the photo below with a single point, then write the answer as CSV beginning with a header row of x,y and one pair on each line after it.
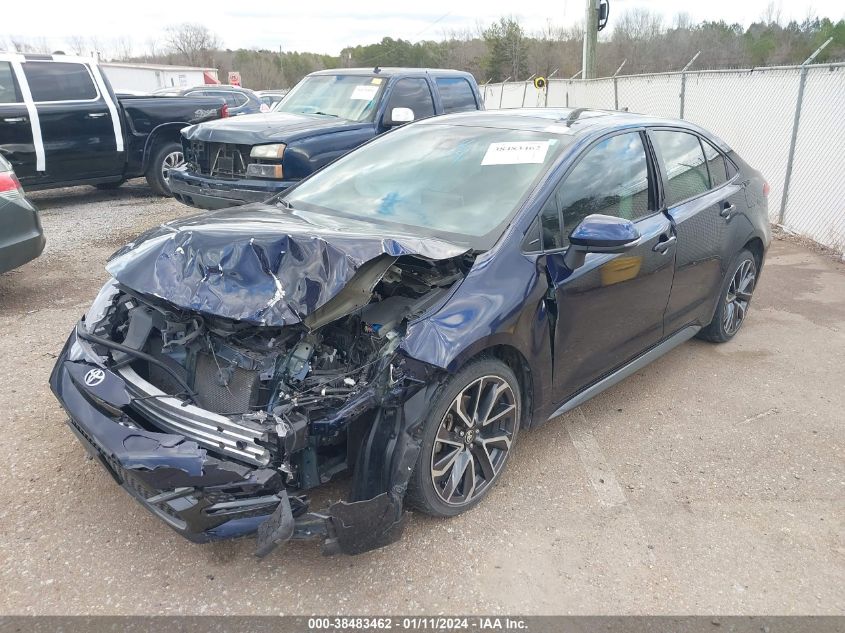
x,y
516,153
364,93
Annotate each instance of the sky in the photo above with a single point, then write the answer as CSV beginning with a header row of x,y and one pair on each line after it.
x,y
327,26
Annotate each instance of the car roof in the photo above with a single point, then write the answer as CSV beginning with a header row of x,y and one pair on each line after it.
x,y
572,121
389,71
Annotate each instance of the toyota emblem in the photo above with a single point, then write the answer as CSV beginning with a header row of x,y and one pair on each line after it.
x,y
94,377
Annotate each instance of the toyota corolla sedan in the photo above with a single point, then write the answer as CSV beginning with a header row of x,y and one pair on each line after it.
x,y
403,315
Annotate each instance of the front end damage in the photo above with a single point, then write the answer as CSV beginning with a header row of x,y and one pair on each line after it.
x,y
220,426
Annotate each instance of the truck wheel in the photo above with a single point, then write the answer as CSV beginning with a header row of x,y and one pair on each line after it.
x,y
165,157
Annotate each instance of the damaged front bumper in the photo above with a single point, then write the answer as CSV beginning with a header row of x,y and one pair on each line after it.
x,y
202,497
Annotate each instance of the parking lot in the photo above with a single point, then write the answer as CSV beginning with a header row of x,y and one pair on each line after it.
x,y
711,481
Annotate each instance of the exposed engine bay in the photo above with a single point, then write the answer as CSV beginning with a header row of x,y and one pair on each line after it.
x,y
291,398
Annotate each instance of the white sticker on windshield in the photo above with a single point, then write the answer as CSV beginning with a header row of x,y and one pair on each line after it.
x,y
364,93
516,153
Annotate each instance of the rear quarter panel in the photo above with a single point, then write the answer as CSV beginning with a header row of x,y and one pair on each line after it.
x,y
148,116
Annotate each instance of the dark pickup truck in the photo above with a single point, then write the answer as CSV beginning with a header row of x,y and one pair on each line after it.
x,y
324,116
61,124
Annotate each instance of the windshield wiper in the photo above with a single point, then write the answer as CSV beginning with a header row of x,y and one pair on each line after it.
x,y
327,114
285,203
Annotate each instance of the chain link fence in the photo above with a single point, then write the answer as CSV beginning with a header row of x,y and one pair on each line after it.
x,y
788,122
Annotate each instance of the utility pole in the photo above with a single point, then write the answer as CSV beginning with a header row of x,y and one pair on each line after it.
x,y
591,38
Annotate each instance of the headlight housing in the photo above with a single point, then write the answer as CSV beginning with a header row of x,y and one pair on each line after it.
x,y
268,151
98,310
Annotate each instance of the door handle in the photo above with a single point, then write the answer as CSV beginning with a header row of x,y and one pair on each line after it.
x,y
727,211
15,119
96,115
662,247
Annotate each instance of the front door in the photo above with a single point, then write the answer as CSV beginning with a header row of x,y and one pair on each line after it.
x,y
610,309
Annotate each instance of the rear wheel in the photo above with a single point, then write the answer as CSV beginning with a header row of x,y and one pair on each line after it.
x,y
165,157
467,439
734,300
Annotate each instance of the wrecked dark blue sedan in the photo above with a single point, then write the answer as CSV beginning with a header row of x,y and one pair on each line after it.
x,y
401,315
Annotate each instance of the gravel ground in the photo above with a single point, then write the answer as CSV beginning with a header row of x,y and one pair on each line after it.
x,y
709,482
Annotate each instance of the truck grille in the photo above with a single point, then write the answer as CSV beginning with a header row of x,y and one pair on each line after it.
x,y
223,160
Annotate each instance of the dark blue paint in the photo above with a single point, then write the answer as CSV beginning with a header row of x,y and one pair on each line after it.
x,y
604,231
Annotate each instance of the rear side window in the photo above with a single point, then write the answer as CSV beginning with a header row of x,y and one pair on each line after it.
x,y
8,86
683,160
59,81
414,94
456,94
715,163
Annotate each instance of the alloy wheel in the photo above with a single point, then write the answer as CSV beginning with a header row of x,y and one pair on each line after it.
x,y
473,440
171,161
739,296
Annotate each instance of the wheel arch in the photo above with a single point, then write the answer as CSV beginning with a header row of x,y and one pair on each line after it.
x,y
519,365
164,133
755,245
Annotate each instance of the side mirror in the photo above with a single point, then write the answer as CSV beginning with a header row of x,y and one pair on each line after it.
x,y
599,234
398,116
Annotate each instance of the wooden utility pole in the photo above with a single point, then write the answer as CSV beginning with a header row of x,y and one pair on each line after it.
x,y
591,38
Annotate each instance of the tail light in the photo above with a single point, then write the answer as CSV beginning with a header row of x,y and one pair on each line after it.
x,y
224,111
766,189
9,182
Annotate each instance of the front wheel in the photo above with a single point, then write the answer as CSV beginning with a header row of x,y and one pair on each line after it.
x,y
466,439
734,300
165,157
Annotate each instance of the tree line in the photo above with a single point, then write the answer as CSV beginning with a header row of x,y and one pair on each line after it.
x,y
499,51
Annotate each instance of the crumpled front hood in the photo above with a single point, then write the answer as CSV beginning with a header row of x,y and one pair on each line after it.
x,y
259,263
273,127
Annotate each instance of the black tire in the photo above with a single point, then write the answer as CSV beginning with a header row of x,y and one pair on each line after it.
x,y
155,171
108,186
486,440
732,307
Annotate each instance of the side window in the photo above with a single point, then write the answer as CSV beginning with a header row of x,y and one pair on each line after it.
x,y
550,231
456,94
59,81
412,93
8,85
715,163
683,160
730,166
611,179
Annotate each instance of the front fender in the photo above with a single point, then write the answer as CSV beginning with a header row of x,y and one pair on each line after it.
x,y
500,303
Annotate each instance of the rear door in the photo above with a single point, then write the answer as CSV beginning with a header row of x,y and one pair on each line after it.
x,y
697,198
610,309
456,94
77,126
16,138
